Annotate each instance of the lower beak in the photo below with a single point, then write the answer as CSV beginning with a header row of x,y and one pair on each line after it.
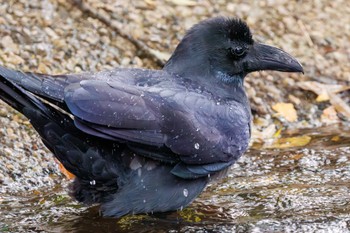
x,y
265,57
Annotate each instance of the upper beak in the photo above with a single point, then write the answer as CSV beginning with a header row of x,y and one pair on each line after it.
x,y
265,57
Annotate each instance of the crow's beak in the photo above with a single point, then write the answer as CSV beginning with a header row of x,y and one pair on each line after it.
x,y
265,57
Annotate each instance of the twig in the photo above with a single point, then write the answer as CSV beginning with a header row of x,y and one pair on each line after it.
x,y
105,19
306,33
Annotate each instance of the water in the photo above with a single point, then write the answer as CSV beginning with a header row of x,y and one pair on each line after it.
x,y
303,189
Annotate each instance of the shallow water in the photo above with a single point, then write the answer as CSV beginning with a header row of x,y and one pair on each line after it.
x,y
303,189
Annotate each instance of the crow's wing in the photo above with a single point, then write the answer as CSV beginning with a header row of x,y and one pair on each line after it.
x,y
163,122
118,111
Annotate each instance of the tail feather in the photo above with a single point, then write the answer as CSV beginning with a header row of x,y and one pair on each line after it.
x,y
17,97
50,88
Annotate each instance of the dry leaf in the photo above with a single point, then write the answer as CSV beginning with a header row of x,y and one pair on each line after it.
x,y
322,97
322,90
286,110
64,171
328,92
282,143
329,115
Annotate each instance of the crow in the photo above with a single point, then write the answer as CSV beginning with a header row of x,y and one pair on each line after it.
x,y
140,140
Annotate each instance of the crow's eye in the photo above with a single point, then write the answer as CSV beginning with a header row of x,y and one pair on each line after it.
x,y
238,51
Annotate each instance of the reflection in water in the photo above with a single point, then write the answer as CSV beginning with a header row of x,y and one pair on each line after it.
x,y
270,190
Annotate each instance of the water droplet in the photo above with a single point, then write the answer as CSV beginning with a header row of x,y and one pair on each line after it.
x,y
196,146
185,192
139,172
93,182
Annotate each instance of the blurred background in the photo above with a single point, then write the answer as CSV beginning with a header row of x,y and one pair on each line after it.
x,y
59,36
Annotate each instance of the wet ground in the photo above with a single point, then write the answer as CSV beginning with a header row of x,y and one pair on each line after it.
x,y
304,189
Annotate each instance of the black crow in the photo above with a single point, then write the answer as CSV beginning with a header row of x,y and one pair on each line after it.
x,y
141,140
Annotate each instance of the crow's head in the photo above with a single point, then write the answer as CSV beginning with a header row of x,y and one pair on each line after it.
x,y
223,50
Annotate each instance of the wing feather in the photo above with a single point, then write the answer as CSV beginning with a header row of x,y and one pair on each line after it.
x,y
166,123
